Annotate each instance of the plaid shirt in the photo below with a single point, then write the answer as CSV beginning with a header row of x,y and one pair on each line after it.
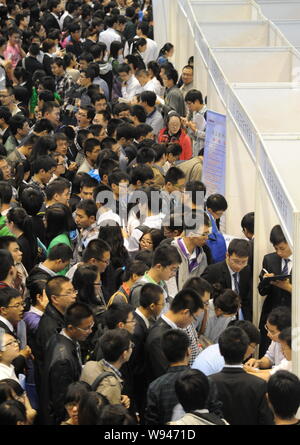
x,y
63,85
194,342
85,236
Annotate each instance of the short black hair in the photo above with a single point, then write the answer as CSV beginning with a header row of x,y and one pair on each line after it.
x,y
233,343
192,390
166,256
186,299
145,155
193,95
286,336
228,302
141,173
196,189
43,163
277,236
76,313
117,313
173,175
284,394
150,293
240,247
149,97
88,206
251,330
7,294
54,285
172,74
113,343
139,112
280,317
199,285
6,261
175,344
12,412
95,249
58,186
216,202
248,222
6,192
32,200
174,149
61,252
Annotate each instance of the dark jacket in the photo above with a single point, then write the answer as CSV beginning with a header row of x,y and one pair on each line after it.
x,y
49,22
156,361
38,273
219,273
61,367
51,323
243,397
162,398
31,64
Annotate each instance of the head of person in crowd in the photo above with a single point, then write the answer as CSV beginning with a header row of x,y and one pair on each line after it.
x,y
186,308
51,112
6,192
280,243
116,346
119,182
173,153
121,111
238,254
170,79
116,415
43,169
8,271
165,263
283,395
125,134
167,51
194,195
120,315
233,343
86,281
86,212
141,176
152,300
97,253
216,205
227,304
85,116
60,292
143,77
58,191
37,293
175,180
87,187
99,101
9,348
32,200
19,126
202,287
102,118
79,321
58,220
175,345
187,74
197,229
173,225
111,232
151,239
252,332
285,340
192,390
125,72
90,408
11,305
148,100
247,224
138,115
278,320
12,412
194,100
5,168
59,257
44,146
116,51
74,395
10,244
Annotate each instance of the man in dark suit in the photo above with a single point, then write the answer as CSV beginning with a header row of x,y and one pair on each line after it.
x,y
234,273
247,224
185,308
50,19
63,363
243,395
278,292
61,294
151,304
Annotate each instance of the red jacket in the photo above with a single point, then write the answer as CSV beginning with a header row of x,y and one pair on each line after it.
x,y
184,141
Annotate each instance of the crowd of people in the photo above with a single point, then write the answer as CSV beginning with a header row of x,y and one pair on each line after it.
x,y
120,301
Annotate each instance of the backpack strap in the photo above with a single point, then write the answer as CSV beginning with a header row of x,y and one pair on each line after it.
x,y
209,417
99,379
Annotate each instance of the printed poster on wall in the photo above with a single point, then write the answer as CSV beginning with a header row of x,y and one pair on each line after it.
x,y
214,163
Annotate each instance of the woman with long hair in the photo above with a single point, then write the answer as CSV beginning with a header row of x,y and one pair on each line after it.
x,y
111,233
166,52
20,225
154,73
44,146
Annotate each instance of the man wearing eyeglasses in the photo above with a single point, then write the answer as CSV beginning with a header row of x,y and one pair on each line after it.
x,y
11,312
9,351
63,363
234,273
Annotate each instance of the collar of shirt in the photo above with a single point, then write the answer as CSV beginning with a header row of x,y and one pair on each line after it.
x,y
232,272
49,271
137,311
184,249
8,323
109,365
36,311
63,332
150,280
169,322
290,263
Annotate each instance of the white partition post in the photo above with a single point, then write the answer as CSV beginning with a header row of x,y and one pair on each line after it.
x,y
218,11
291,30
280,10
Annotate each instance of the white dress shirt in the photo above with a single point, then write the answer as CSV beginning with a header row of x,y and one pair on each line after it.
x,y
131,88
137,311
109,36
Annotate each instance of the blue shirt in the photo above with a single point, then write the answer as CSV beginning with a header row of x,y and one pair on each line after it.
x,y
210,361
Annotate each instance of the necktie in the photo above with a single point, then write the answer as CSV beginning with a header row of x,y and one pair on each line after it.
x,y
78,351
237,290
285,270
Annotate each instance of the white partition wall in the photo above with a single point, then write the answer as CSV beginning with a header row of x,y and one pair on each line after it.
x,y
280,10
218,11
291,30
242,34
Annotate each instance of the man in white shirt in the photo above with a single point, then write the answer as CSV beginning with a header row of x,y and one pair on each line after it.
x,y
196,126
130,84
151,53
110,34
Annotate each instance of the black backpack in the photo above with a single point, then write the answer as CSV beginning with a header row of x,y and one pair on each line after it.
x,y
99,379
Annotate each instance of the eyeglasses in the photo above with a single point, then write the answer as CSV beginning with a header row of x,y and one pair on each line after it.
x,y
74,292
270,332
239,263
13,342
18,305
131,321
85,329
